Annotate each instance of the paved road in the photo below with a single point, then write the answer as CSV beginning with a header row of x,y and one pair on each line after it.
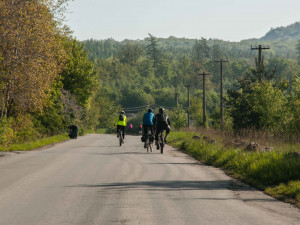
x,y
92,180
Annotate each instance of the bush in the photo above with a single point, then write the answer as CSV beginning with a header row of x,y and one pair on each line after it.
x,y
6,132
23,128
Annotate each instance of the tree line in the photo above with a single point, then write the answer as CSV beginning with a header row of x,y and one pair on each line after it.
x,y
141,73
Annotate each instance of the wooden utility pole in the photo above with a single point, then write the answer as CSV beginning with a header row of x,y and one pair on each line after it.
x,y
176,93
221,91
188,111
259,48
204,100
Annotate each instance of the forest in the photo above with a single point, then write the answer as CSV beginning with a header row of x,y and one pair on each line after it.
x,y
49,80
154,72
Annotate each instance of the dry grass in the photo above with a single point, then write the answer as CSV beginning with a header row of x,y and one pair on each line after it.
x,y
244,137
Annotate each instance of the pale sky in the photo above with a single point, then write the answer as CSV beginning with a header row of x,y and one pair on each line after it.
x,y
230,20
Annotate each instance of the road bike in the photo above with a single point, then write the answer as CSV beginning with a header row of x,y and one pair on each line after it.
x,y
149,141
120,135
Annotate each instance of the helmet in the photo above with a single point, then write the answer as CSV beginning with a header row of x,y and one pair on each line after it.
x,y
122,112
150,110
161,110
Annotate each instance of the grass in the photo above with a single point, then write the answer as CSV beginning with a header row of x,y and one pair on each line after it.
x,y
44,141
276,172
35,144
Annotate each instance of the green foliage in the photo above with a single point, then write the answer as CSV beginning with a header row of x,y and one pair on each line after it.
x,y
24,129
27,146
196,111
261,169
178,118
51,120
140,98
6,132
129,53
294,106
153,52
108,110
268,103
79,76
201,50
286,192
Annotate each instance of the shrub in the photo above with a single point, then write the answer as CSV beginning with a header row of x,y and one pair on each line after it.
x,y
6,132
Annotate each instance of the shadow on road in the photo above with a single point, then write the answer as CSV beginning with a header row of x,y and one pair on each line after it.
x,y
170,185
120,153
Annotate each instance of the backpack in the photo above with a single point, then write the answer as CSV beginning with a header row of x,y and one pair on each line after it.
x,y
121,117
162,119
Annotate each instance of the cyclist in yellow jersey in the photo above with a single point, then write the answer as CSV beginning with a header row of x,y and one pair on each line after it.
x,y
121,123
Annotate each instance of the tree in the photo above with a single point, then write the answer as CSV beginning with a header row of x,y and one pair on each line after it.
x,y
294,106
178,118
196,111
260,73
79,76
153,52
268,103
130,53
32,53
258,102
201,50
298,52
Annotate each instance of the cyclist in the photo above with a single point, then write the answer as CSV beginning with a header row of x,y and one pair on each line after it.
x,y
121,123
130,128
140,128
148,124
162,122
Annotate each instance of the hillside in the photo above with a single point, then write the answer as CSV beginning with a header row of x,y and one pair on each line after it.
x,y
291,32
282,42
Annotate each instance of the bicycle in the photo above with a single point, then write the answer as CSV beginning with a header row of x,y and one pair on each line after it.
x,y
149,141
160,143
120,134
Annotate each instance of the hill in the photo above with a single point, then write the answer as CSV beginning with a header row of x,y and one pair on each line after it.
x,y
291,32
282,42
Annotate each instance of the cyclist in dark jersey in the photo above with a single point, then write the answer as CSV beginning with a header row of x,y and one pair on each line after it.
x,y
162,122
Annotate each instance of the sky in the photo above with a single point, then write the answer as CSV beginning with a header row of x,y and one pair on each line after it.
x,y
229,20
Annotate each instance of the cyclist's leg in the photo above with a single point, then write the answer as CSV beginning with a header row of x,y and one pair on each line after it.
x,y
157,133
158,130
123,131
118,129
167,133
145,129
151,129
152,132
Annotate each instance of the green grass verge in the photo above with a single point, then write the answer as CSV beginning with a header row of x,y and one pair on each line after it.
x,y
289,192
276,172
35,144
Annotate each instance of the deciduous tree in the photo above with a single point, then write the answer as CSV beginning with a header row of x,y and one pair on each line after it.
x,y
32,55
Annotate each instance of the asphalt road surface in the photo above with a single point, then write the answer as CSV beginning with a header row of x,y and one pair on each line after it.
x,y
92,180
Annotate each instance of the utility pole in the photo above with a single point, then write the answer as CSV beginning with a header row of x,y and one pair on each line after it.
x,y
204,100
188,111
176,94
221,91
259,48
